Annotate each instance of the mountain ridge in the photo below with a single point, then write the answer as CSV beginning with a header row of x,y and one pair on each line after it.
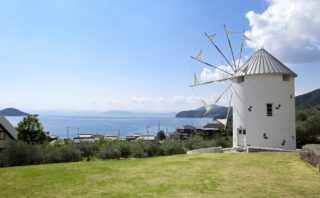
x,y
13,112
309,99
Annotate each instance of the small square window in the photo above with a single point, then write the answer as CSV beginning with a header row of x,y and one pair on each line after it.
x,y
244,132
2,136
269,109
286,77
240,131
240,79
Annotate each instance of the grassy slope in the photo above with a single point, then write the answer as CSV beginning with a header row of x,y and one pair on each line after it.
x,y
206,175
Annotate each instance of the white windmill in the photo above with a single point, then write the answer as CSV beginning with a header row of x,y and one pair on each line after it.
x,y
262,97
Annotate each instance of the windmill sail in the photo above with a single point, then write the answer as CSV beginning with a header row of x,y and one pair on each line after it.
x,y
195,81
199,55
211,37
219,51
225,121
246,38
207,107
228,32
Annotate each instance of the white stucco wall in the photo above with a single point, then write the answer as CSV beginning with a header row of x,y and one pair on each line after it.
x,y
257,91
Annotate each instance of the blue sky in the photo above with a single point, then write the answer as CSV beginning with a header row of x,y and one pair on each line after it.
x,y
69,56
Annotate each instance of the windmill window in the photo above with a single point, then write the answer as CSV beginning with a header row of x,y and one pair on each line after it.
x,y
286,77
240,79
269,109
2,136
244,132
240,131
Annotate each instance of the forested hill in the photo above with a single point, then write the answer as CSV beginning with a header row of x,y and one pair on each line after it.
x,y
12,112
308,100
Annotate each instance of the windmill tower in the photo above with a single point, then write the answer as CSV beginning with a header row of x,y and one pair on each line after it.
x,y
262,99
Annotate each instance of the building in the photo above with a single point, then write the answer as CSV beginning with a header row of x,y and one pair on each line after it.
x,y
208,130
185,131
87,138
111,137
7,132
135,136
147,137
263,103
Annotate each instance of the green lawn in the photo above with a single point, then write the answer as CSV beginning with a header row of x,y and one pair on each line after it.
x,y
202,175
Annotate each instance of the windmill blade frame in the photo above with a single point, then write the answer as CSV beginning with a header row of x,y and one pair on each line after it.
x,y
218,49
209,82
210,65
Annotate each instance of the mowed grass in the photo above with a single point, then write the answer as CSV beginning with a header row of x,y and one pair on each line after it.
x,y
201,175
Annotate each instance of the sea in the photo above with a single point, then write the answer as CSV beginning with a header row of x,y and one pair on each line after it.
x,y
69,126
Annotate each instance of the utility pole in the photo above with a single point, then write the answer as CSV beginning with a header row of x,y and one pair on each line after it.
x,y
119,133
158,126
67,132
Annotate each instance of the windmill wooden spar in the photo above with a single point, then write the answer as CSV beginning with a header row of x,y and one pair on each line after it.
x,y
234,67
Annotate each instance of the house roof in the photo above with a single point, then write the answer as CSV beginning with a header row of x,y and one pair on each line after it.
x,y
262,62
213,125
187,127
8,127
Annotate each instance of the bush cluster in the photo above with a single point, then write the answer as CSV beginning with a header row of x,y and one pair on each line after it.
x,y
308,126
20,153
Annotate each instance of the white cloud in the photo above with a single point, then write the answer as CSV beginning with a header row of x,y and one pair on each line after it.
x,y
216,74
208,74
289,29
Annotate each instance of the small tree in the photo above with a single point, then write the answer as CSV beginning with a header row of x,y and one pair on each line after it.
x,y
88,149
30,130
161,135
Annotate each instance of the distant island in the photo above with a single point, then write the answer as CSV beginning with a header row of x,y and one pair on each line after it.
x,y
216,112
309,99
13,112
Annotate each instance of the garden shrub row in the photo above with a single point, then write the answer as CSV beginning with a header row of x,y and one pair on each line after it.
x,y
20,153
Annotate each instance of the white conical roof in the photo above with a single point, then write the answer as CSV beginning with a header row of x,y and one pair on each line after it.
x,y
262,62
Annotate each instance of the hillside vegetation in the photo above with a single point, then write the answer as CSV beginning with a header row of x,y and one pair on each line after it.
x,y
205,175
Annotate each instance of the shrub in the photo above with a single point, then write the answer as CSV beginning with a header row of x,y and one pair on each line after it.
x,y
52,155
88,149
124,148
16,154
137,151
171,148
150,148
70,153
109,151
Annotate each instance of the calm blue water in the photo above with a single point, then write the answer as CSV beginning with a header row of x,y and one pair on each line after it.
x,y
57,125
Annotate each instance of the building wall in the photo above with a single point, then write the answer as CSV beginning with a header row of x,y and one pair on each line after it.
x,y
4,141
256,91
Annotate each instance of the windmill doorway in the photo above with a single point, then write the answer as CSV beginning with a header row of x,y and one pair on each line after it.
x,y
242,137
